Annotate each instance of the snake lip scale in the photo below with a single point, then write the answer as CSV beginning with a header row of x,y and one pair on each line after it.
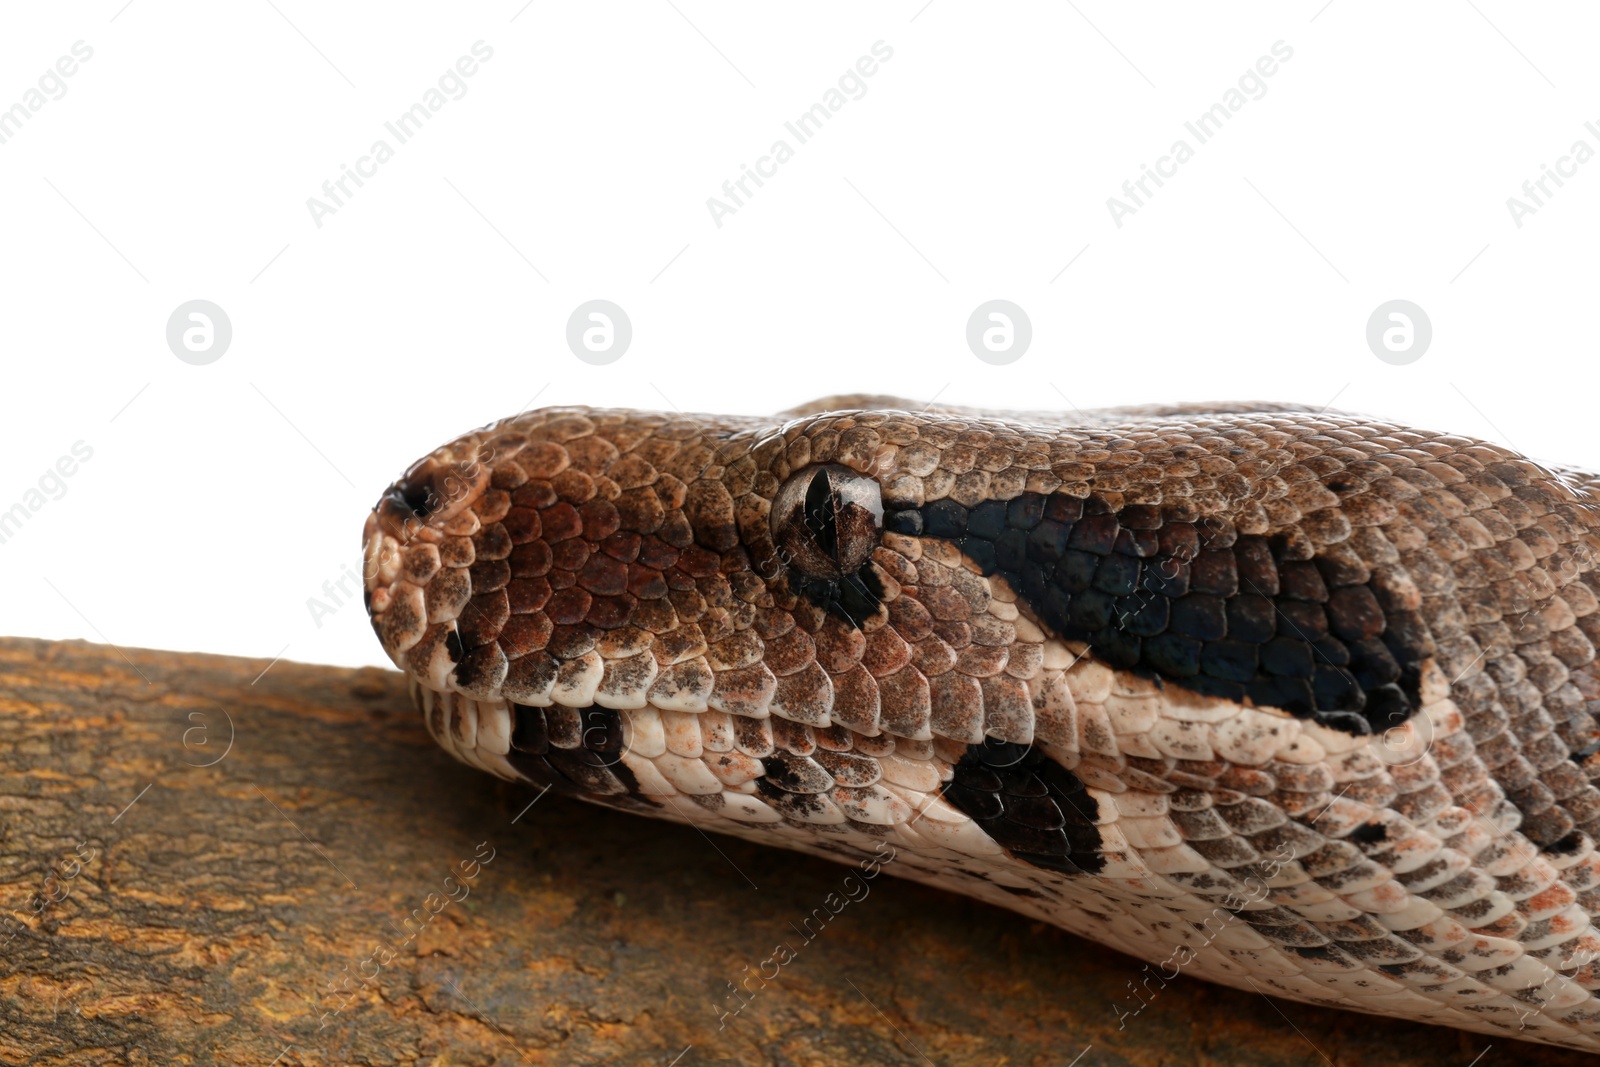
x,y
1302,699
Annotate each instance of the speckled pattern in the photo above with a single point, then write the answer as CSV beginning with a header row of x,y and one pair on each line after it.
x,y
1295,701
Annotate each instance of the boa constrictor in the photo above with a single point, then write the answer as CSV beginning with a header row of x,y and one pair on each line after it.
x,y
1291,700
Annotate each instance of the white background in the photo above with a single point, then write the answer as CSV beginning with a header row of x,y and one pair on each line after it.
x,y
977,165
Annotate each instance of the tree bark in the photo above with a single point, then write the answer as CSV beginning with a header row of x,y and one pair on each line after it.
x,y
204,863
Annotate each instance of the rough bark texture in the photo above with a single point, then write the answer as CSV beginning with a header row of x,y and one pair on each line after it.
x,y
256,910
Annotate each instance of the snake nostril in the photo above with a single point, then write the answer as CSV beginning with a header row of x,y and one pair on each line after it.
x,y
413,498
416,496
434,490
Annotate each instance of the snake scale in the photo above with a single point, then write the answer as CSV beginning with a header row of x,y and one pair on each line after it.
x,y
1296,701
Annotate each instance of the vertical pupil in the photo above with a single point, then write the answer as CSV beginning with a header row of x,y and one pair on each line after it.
x,y
819,511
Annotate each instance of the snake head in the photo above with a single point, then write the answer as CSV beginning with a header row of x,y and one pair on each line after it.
x,y
571,588
555,572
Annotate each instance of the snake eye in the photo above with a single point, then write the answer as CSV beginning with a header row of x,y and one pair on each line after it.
x,y
826,521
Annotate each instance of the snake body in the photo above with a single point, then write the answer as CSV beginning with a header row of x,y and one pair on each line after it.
x,y
1299,702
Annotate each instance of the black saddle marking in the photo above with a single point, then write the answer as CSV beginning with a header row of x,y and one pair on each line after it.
x,y
1037,809
1194,603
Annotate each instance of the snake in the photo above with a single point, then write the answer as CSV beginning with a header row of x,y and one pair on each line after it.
x,y
1297,701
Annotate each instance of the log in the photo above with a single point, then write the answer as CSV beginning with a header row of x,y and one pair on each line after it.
x,y
210,860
